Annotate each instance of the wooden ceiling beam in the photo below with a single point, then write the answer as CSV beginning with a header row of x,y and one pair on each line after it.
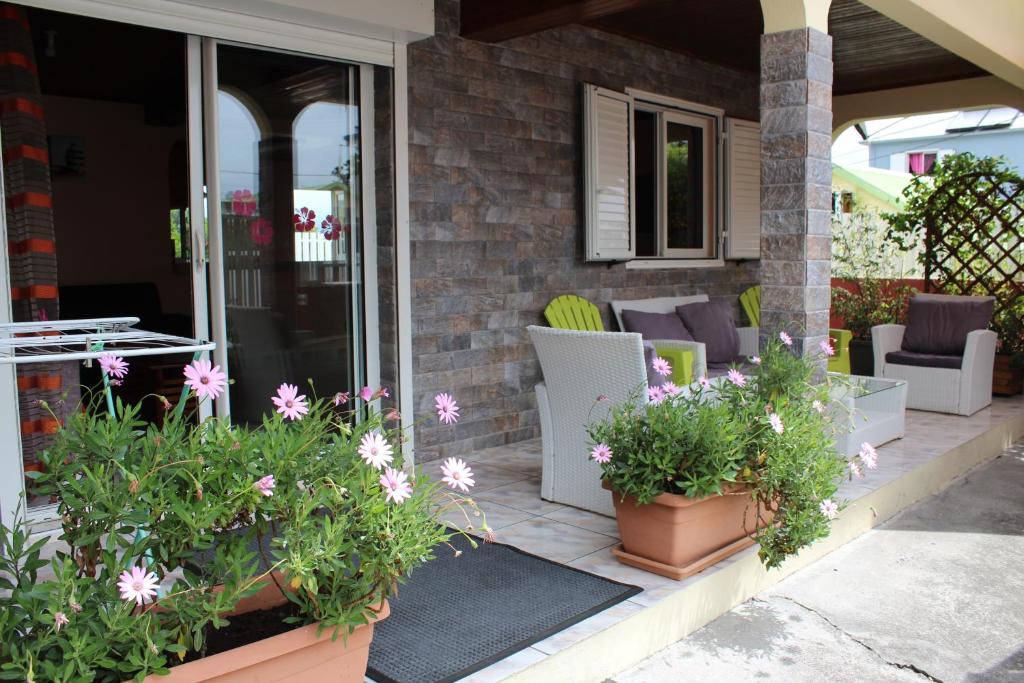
x,y
493,21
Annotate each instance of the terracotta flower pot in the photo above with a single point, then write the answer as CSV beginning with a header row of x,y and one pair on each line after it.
x,y
295,656
677,536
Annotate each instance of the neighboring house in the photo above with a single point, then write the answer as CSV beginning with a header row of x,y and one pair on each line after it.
x,y
915,143
472,177
880,190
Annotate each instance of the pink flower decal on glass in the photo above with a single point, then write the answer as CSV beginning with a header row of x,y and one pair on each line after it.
x,y
829,509
289,403
137,585
457,474
601,453
266,485
261,232
396,484
736,377
243,203
661,366
447,408
776,422
206,379
304,220
332,229
113,366
375,450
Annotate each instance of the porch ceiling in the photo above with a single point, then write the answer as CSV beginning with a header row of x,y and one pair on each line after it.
x,y
870,50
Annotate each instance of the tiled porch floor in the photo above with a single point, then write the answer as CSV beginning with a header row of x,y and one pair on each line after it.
x,y
508,490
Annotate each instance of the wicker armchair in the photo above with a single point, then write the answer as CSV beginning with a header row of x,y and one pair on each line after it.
x,y
578,367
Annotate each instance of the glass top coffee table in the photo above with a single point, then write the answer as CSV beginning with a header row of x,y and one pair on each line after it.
x,y
869,409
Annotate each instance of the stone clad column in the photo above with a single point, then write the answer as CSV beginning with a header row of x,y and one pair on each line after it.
x,y
796,183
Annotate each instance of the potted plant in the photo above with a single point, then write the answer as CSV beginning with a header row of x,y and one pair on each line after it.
x,y
870,265
698,474
1008,373
217,552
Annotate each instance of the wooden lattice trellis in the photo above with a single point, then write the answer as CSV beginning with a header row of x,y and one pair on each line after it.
x,y
974,245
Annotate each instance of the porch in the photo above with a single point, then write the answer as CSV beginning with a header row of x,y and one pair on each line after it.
x,y
936,450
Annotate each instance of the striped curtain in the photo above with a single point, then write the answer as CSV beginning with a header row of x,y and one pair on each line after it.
x,y
31,249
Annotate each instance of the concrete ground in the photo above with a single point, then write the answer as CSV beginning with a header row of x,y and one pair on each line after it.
x,y
934,594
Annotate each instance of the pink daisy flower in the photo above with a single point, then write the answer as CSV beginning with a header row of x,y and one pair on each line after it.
x,y
786,339
601,453
397,485
366,393
60,620
457,474
383,391
868,455
776,423
206,379
266,485
818,406
447,408
289,403
704,382
736,377
756,360
137,585
655,394
112,365
826,348
661,366
829,509
671,389
375,450
341,398
855,469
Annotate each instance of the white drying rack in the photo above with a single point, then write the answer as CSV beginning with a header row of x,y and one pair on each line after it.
x,y
63,340
67,340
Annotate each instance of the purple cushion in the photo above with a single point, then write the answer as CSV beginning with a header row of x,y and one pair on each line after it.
x,y
924,360
711,323
655,325
939,325
741,363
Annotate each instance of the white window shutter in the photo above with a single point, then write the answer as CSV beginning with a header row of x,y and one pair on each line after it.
x,y
608,174
743,189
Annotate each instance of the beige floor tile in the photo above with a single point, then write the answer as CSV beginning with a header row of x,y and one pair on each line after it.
x,y
522,495
591,521
497,516
553,540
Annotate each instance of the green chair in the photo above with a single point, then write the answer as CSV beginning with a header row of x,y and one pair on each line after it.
x,y
840,339
571,312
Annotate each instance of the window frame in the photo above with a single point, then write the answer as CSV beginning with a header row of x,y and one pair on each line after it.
x,y
923,152
710,120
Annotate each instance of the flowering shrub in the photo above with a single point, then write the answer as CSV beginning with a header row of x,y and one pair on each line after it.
x,y
316,500
768,435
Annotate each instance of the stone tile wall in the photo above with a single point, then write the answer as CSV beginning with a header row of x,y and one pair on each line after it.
x,y
496,215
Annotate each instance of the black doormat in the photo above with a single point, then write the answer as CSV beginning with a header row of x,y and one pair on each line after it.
x,y
457,615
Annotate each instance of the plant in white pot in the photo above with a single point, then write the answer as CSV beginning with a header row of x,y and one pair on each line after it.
x,y
700,473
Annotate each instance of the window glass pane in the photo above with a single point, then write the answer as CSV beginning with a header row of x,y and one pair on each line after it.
x,y
684,182
645,183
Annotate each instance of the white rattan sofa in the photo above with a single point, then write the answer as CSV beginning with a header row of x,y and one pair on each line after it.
x,y
963,387
578,367
667,304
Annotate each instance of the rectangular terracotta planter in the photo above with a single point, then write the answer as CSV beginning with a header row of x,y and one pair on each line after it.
x,y
296,656
677,536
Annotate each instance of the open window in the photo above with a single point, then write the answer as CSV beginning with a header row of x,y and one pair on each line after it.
x,y
668,182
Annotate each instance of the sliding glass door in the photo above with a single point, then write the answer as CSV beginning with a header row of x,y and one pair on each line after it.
x,y
288,212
